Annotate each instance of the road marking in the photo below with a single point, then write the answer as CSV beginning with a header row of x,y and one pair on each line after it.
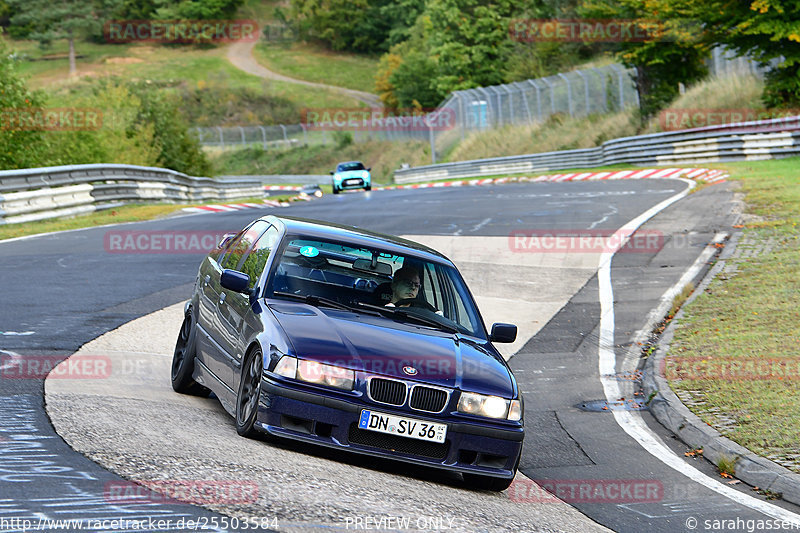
x,y
631,422
17,333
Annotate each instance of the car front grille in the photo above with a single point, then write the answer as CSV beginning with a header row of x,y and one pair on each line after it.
x,y
433,450
387,391
428,399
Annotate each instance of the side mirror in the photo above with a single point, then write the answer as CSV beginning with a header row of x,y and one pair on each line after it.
x,y
331,172
503,332
236,281
369,169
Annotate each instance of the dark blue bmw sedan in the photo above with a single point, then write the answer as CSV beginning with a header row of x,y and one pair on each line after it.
x,y
359,341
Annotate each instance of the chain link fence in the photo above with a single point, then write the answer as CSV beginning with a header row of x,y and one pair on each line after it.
x,y
577,93
605,89
289,135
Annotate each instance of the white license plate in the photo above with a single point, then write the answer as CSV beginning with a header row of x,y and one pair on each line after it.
x,y
402,426
352,181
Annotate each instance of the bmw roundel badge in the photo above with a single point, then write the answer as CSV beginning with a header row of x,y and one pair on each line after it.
x,y
410,370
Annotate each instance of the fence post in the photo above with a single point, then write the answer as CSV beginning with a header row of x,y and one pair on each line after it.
x,y
586,87
221,140
569,92
603,86
460,97
433,144
241,130
263,136
305,134
524,101
510,104
285,139
552,95
538,100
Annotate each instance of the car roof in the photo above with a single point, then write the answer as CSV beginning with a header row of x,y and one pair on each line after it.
x,y
357,236
348,163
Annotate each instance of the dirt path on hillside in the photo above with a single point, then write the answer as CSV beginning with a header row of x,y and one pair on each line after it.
x,y
240,54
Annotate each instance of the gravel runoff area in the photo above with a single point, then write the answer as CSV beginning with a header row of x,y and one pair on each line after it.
x,y
132,423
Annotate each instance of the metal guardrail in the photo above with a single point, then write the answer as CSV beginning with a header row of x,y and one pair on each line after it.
x,y
759,139
41,193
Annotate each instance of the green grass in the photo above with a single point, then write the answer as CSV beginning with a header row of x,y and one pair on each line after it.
x,y
190,65
308,62
383,156
745,318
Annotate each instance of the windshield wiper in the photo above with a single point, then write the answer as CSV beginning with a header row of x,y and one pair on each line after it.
x,y
399,311
316,301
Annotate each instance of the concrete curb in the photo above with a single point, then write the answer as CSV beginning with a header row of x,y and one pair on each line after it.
x,y
670,411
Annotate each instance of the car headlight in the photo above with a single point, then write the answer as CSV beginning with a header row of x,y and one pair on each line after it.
x,y
489,406
365,174
314,372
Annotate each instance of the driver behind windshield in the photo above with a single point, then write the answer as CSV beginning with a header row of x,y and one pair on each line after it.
x,y
405,286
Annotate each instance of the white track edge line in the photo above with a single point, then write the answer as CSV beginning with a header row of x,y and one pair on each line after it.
x,y
634,426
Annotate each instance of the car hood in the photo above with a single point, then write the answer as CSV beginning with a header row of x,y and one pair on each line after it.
x,y
352,173
382,346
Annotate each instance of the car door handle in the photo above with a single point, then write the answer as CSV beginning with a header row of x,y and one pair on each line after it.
x,y
222,297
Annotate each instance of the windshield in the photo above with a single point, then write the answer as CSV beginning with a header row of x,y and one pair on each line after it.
x,y
404,288
344,167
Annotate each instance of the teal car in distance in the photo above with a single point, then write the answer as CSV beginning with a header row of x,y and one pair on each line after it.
x,y
351,175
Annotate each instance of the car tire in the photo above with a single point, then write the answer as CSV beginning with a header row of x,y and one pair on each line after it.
x,y
248,395
335,190
183,360
495,484
368,188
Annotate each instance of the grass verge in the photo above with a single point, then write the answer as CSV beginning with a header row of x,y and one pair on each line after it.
x,y
118,215
735,351
304,61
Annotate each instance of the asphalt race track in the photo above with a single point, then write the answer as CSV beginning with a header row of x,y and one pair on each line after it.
x,y
62,291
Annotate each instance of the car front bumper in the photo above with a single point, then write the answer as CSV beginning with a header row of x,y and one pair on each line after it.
x,y
353,183
307,416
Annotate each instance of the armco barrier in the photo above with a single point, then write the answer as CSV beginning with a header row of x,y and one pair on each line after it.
x,y
41,193
759,139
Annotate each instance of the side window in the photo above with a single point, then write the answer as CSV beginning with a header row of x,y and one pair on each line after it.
x,y
242,244
255,261
431,290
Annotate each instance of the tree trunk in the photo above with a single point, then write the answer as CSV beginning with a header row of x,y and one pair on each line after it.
x,y
73,70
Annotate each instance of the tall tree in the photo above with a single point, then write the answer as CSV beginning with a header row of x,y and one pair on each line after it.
x,y
19,148
673,51
65,19
766,30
